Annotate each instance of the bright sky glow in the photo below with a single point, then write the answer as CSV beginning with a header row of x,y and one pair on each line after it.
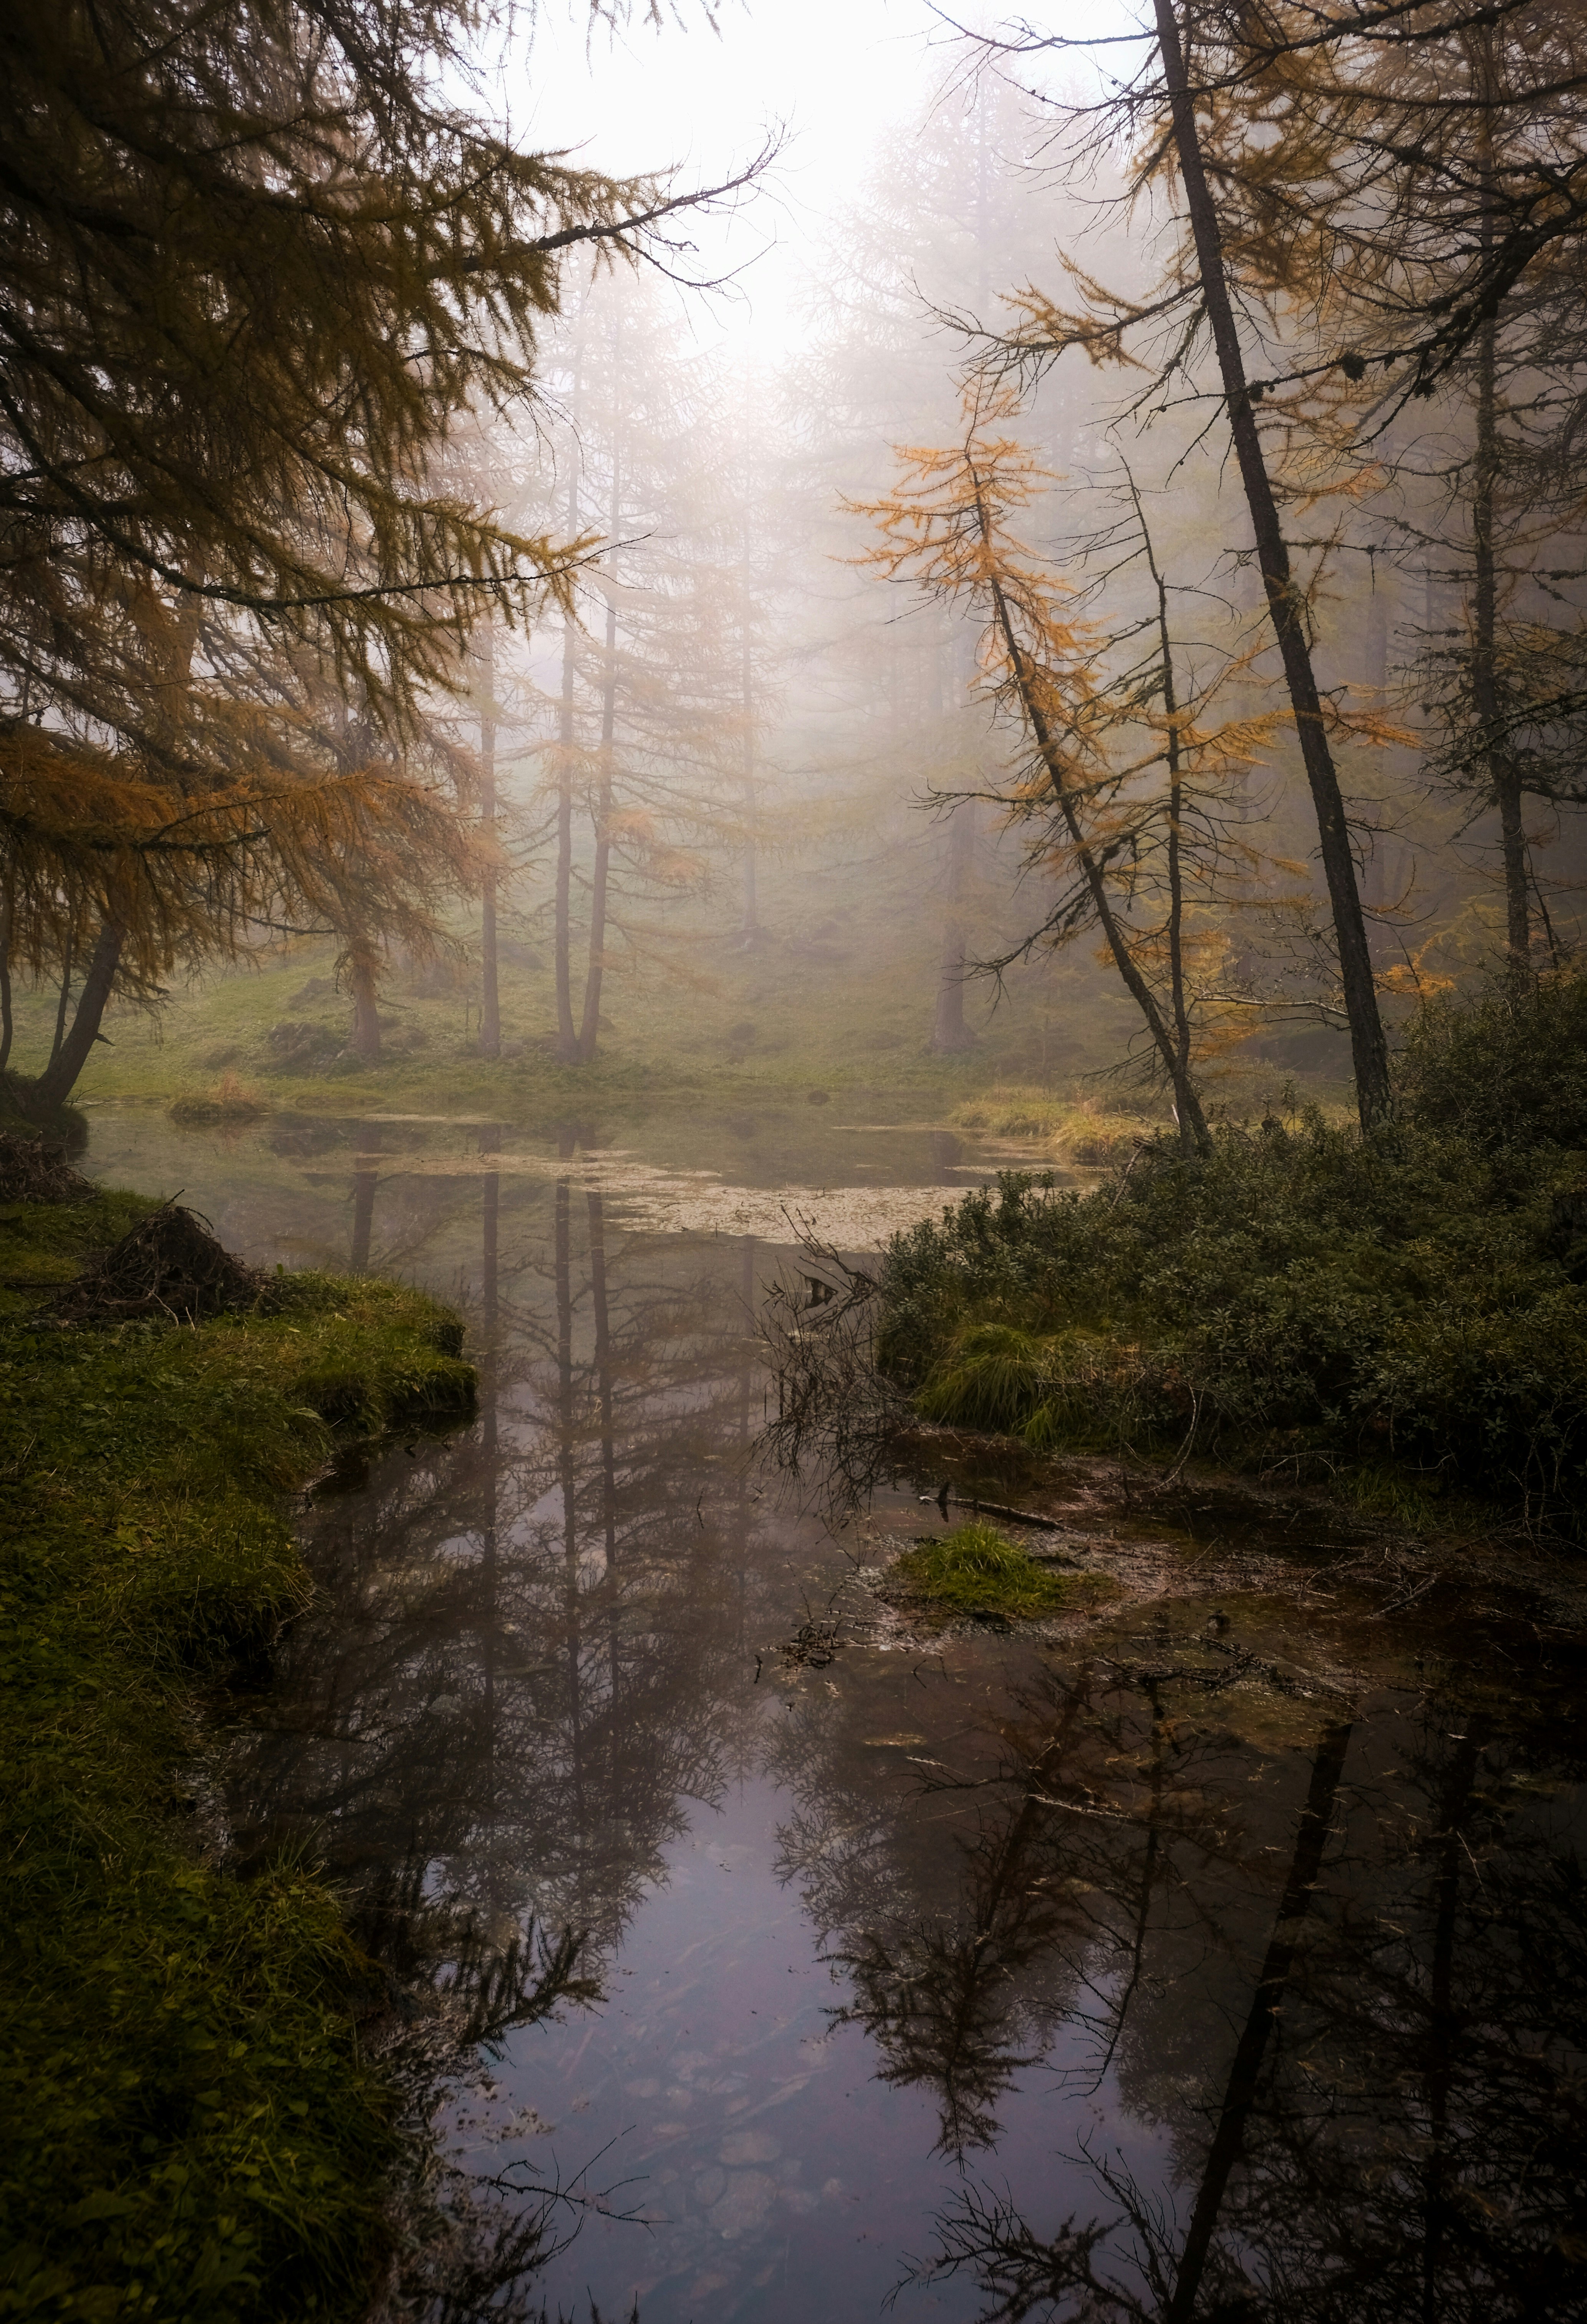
x,y
833,74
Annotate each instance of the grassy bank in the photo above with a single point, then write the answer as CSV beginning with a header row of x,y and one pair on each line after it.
x,y
835,1009
1406,1311
190,2128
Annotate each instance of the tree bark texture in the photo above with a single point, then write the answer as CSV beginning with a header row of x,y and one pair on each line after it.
x,y
59,1079
1286,606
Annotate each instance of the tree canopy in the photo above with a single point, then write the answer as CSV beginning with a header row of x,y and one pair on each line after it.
x,y
256,263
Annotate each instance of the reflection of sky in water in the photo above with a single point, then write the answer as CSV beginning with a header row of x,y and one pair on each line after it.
x,y
754,2137
1261,1940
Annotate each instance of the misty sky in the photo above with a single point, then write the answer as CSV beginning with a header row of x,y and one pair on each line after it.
x,y
834,72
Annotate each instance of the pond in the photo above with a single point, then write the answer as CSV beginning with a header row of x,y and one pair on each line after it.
x,y
1219,1950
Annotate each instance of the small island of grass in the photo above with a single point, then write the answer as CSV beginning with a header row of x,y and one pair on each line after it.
x,y
976,1572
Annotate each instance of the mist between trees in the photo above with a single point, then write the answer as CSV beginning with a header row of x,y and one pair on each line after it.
x,y
1154,571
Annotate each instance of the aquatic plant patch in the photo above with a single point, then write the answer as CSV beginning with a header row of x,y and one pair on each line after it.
x,y
190,2125
977,1572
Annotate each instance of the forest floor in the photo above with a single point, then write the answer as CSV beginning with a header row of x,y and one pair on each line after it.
x,y
191,2124
769,1027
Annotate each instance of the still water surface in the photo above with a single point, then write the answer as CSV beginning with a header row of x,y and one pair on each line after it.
x,y
1222,1953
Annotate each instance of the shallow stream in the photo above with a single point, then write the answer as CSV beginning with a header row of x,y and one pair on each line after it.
x,y
1220,1951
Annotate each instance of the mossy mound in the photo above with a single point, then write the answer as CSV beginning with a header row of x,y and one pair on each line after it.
x,y
189,2125
974,1570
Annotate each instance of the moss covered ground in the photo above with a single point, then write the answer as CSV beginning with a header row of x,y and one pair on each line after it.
x,y
189,2125
977,1572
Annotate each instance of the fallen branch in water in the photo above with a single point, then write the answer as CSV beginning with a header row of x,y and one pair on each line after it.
x,y
837,1419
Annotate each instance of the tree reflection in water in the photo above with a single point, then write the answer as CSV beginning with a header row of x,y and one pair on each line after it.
x,y
510,1691
1334,1955
1309,1962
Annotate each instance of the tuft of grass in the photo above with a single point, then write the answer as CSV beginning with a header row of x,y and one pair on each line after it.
x,y
975,1570
189,2125
991,1376
1079,1129
229,1101
1010,1111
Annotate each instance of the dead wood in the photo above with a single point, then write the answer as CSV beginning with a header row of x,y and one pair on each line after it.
x,y
169,1265
36,1170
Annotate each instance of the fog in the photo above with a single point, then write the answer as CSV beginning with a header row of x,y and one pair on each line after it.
x,y
755,759
750,747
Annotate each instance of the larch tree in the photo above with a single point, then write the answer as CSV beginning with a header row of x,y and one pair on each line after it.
x,y
1318,169
1491,485
645,766
256,263
950,204
1121,783
1183,109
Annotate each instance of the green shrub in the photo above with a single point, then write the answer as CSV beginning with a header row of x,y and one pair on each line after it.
x,y
1413,1299
1506,1071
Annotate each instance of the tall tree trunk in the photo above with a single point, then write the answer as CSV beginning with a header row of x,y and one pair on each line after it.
x,y
1118,945
589,1033
73,1049
361,982
65,967
7,1026
752,898
1186,1107
1286,606
1501,774
562,930
1177,1001
1378,636
1240,2094
750,925
949,1031
489,1003
562,925
59,1079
